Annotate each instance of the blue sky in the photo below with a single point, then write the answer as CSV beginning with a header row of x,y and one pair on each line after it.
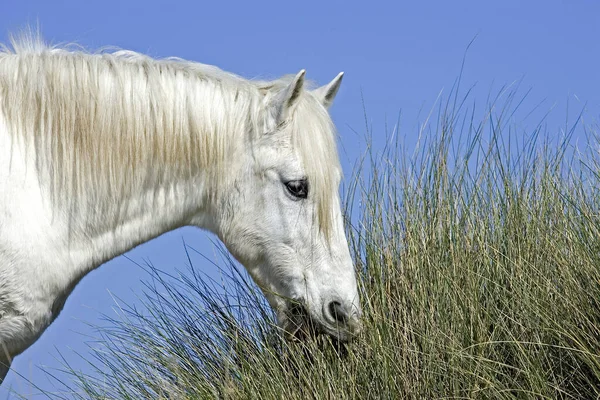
x,y
397,55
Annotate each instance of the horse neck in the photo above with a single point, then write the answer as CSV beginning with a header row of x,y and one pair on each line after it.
x,y
173,197
141,217
117,226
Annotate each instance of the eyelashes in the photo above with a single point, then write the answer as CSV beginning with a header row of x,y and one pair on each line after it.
x,y
298,188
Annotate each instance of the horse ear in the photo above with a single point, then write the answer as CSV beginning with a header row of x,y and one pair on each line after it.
x,y
327,93
289,96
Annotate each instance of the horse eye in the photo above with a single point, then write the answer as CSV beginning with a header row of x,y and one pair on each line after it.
x,y
298,188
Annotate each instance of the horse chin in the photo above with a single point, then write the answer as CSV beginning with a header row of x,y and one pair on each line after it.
x,y
295,332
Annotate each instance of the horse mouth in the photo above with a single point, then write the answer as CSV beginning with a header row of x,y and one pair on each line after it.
x,y
298,326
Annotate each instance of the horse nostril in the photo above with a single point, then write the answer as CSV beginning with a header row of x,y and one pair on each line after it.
x,y
337,312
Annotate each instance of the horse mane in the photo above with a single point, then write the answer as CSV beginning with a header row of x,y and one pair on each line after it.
x,y
100,123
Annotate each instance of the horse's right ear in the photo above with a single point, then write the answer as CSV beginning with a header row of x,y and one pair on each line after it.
x,y
288,97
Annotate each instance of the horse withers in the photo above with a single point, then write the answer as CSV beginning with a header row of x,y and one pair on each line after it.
x,y
102,152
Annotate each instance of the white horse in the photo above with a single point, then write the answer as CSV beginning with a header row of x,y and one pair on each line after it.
x,y
102,152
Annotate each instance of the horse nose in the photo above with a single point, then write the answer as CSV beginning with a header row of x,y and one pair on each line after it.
x,y
344,317
337,313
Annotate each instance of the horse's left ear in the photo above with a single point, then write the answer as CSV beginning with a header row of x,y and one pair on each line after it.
x,y
327,93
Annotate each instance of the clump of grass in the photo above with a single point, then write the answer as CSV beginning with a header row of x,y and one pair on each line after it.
x,y
478,255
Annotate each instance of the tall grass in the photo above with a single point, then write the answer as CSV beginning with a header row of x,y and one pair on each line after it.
x,y
478,257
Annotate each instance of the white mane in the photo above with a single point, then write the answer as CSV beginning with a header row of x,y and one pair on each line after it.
x,y
106,125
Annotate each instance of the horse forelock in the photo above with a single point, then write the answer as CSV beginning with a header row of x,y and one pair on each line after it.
x,y
314,139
